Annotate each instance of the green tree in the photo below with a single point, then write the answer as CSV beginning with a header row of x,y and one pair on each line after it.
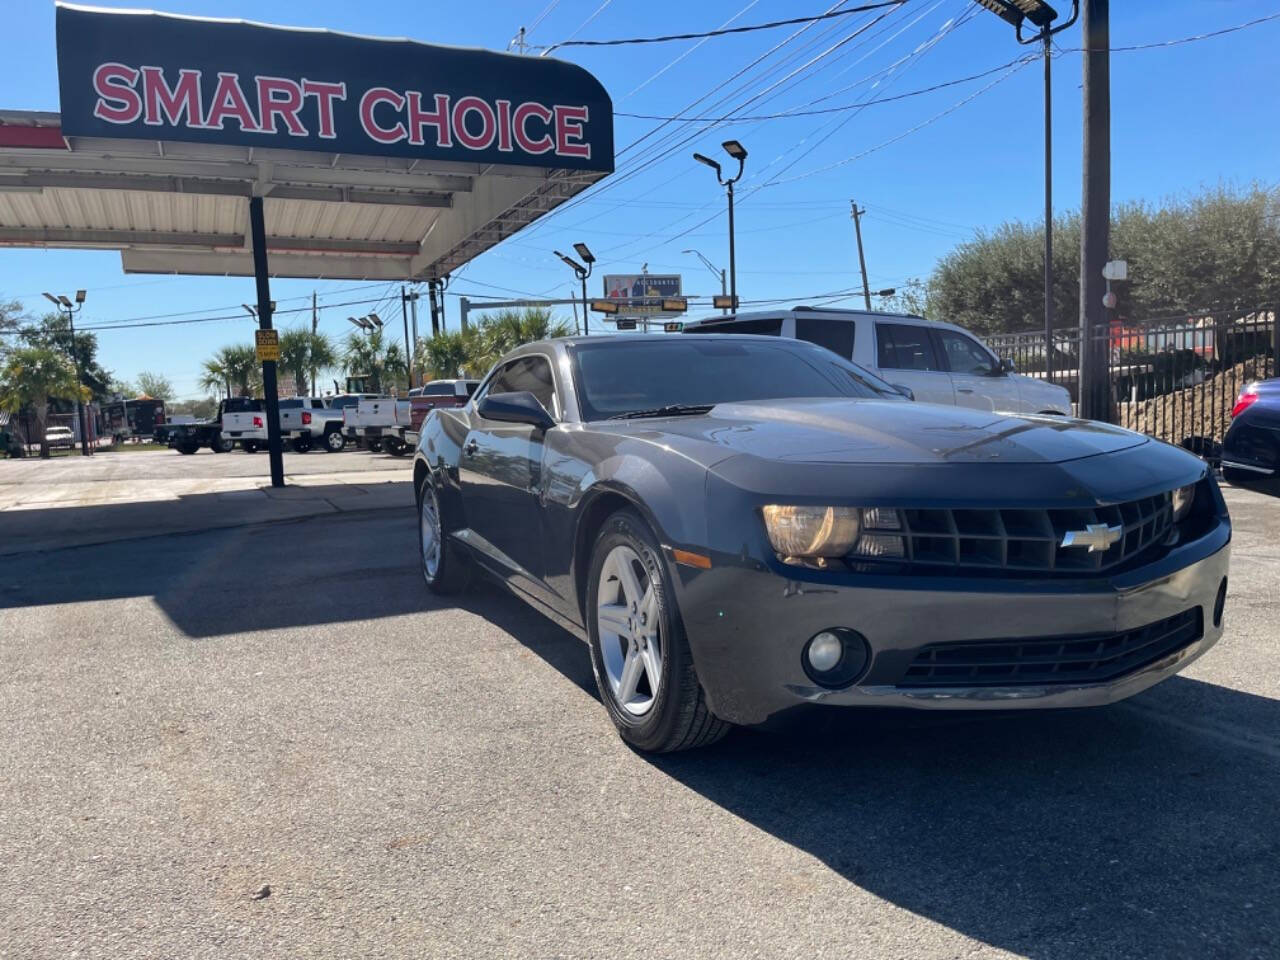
x,y
30,378
1217,250
155,385
484,343
232,368
304,354
442,357
53,332
368,352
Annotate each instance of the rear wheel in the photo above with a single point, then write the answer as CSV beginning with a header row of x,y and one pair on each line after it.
x,y
249,446
300,444
373,445
334,441
639,652
445,566
188,448
395,446
221,444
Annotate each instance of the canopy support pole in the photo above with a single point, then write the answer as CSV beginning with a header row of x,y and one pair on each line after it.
x,y
258,230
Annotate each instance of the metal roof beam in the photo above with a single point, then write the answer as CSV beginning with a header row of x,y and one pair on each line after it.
x,y
17,163
116,239
281,265
223,188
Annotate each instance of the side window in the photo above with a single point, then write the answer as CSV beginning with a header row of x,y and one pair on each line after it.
x,y
532,373
964,355
835,335
317,404
769,327
902,346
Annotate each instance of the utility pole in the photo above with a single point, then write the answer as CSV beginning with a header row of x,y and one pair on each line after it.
x,y
862,260
433,298
1096,207
404,315
315,324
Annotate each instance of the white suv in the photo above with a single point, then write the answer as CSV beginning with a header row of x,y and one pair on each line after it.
x,y
937,362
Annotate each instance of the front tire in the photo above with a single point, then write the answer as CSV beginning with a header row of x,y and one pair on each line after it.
x,y
639,652
445,567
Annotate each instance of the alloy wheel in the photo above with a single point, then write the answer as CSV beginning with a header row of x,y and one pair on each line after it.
x,y
429,531
627,621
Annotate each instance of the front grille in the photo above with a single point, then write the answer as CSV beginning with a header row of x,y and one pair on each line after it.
x,y
1053,660
1020,540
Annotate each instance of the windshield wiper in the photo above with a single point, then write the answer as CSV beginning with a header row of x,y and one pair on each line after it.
x,y
671,410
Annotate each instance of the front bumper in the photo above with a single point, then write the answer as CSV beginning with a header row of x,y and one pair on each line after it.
x,y
748,624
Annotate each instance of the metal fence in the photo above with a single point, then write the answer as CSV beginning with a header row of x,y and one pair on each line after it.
x,y
1173,379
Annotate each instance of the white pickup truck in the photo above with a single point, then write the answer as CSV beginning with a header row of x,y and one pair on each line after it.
x,y
308,422
379,423
244,421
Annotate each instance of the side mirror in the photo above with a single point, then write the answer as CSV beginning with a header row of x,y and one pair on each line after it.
x,y
1005,367
903,389
519,407
460,390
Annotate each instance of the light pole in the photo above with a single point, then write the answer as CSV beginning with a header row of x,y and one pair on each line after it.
x,y
63,304
716,271
738,152
581,273
1041,15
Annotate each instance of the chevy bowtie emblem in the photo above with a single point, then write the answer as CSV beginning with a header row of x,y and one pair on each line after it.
x,y
1096,536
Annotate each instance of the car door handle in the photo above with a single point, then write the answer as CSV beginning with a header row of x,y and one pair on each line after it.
x,y
471,446
963,390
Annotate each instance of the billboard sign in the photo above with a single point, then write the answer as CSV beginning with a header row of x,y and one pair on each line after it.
x,y
641,294
150,76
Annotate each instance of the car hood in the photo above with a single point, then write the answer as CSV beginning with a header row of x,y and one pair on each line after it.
x,y
877,431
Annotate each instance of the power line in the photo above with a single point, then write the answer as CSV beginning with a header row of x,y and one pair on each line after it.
x,y
726,31
827,110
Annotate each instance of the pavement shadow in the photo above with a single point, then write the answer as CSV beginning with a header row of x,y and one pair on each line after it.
x,y
1121,831
55,527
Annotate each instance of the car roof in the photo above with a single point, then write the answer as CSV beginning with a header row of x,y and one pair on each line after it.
x,y
827,313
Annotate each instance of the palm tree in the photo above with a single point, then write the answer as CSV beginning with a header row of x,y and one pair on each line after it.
x,y
368,352
31,377
444,356
303,351
234,366
214,376
497,334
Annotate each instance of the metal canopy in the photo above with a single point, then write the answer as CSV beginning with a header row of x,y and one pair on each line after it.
x,y
223,147
174,207
378,159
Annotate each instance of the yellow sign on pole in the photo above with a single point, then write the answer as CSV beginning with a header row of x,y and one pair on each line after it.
x,y
267,345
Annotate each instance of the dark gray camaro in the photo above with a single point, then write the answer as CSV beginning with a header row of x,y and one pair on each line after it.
x,y
739,526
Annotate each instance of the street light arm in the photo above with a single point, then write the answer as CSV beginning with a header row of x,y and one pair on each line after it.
x,y
1046,33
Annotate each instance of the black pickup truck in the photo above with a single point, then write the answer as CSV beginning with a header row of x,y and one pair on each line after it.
x,y
240,420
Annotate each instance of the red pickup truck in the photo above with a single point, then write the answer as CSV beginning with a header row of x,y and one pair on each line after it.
x,y
436,393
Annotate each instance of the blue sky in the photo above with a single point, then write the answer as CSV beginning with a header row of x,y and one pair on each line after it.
x,y
929,169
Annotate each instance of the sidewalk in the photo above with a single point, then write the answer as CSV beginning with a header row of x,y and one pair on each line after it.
x,y
38,516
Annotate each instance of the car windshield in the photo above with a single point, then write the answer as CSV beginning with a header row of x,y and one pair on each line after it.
x,y
629,376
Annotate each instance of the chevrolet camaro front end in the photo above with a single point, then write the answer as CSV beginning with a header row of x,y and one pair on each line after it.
x,y
744,526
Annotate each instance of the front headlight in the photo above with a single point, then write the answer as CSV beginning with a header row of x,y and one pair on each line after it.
x,y
871,533
1183,497
812,531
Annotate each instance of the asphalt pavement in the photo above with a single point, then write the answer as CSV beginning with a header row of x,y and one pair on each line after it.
x,y
189,719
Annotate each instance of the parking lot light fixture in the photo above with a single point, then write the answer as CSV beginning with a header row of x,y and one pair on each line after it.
x,y
738,152
1041,15
64,305
709,162
375,319
581,273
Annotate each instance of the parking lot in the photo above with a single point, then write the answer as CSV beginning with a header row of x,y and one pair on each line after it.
x,y
190,718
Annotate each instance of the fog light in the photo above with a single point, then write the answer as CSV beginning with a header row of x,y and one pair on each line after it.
x,y
835,657
825,651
